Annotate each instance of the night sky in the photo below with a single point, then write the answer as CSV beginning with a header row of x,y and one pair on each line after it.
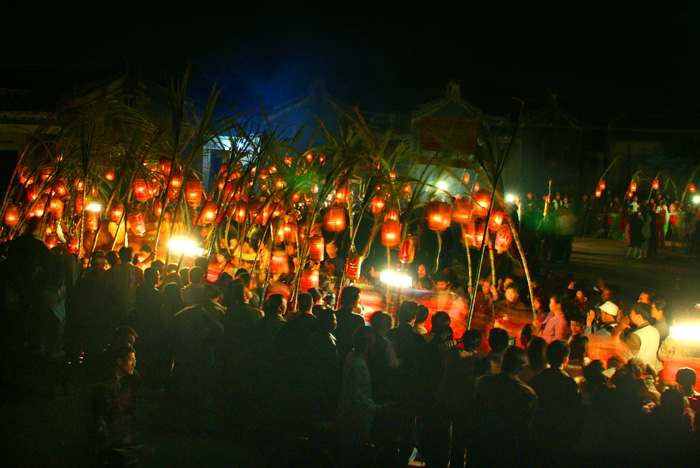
x,y
381,57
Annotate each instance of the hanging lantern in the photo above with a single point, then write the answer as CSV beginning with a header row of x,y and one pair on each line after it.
x,y
78,205
141,190
334,219
59,188
158,207
296,196
601,185
56,207
354,264
316,248
655,184
95,191
109,174
691,188
633,186
49,230
461,210
290,231
115,214
279,183
164,165
262,214
51,242
11,215
79,184
482,203
264,174
208,214
309,156
46,173
598,193
477,187
473,233
23,173
342,191
322,158
287,160
407,252
407,188
439,215
496,220
314,188
279,262
40,206
92,220
309,279
32,192
392,176
153,188
377,205
176,182
73,245
391,234
193,192
465,178
503,239
136,223
392,215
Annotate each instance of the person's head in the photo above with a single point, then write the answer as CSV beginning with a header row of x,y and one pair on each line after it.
x,y
202,262
540,301
184,276
381,322
472,339
126,254
609,312
422,314
211,293
593,373
687,379
556,305
421,270
159,266
426,283
276,304
557,353
527,333
304,302
33,226
172,293
350,297
535,352
440,318
316,295
657,308
579,347
513,360
498,340
452,274
150,276
640,314
442,281
123,360
607,292
512,293
363,340
332,249
326,320
124,336
577,326
442,334
672,402
407,312
645,297
98,262
196,275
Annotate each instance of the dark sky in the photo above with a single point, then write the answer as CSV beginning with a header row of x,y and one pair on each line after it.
x,y
382,56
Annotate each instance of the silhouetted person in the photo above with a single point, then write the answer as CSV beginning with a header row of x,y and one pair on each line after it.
x,y
348,320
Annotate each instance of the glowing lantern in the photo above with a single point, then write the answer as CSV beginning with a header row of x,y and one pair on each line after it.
x,y
49,230
633,187
164,165
158,207
79,185
136,223
496,220
392,176
153,188
461,210
316,248
262,214
273,169
193,192
407,188
92,220
309,156
691,188
51,242
56,207
264,174
290,231
439,215
141,190
23,173
240,214
482,203
175,184
279,262
279,183
322,158
407,252
601,185
115,214
392,215
309,279
73,245
46,173
341,193
78,205
11,215
95,191
477,187
32,192
253,170
334,219
109,174
503,239
59,188
354,264
296,196
598,193
287,160
314,189
655,184
377,205
391,234
208,214
466,178
40,206
473,233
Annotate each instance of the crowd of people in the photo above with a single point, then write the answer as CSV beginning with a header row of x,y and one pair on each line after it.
x,y
563,375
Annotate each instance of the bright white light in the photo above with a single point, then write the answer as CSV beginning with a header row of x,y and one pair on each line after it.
x,y
510,198
395,279
696,199
686,332
442,185
182,244
94,207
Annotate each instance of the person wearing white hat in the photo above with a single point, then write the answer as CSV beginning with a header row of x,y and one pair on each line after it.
x,y
608,320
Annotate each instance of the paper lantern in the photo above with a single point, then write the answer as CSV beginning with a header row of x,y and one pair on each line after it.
x,y
164,165
407,188
264,174
279,263
175,183
273,169
59,188
279,183
377,204
158,207
309,156
477,187
296,196
691,188
322,158
193,192
354,264
334,219
342,192
496,220
240,214
598,193
73,245
23,173
407,252
40,206
439,215
465,178
482,203
32,192
11,215
153,188
633,187
141,190
601,185
92,220
51,242
208,214
391,234
287,160
109,174
473,233
46,173
260,212
115,214
56,207
79,184
309,279
461,210
392,215
503,239
290,231
316,248
136,223
314,188
392,176
78,205
655,184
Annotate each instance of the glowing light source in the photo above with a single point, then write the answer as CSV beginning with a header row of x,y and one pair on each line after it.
x,y
686,332
696,199
179,245
510,198
442,185
96,207
395,279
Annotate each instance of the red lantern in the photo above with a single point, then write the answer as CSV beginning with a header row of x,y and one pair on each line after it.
x,y
32,192
109,174
92,220
56,207
392,176
262,214
309,156
23,173
477,187
503,239
461,210
78,207
655,184
240,214
466,178
158,207
141,190
193,192
153,188
482,203
334,219
290,231
407,252
79,184
40,206
273,169
377,205
601,185
264,174
11,215
175,183
316,248
322,158
341,193
287,160
46,173
309,279
392,215
633,186
391,234
691,188
496,220
352,270
115,214
95,191
164,165
407,188
473,233
279,262
136,223
279,183
51,242
59,188
598,193
439,215
208,214
73,245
